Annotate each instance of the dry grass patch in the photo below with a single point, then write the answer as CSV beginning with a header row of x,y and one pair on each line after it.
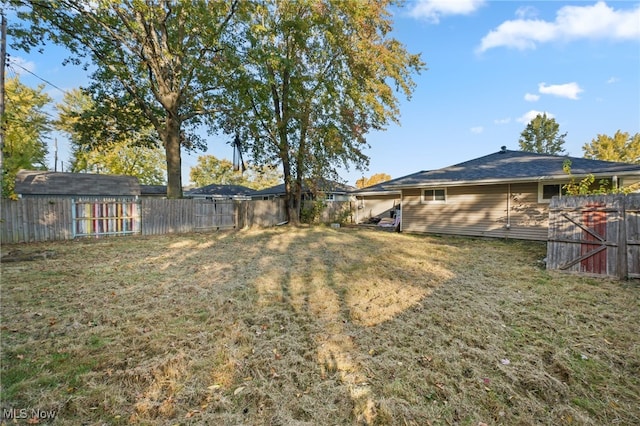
x,y
315,326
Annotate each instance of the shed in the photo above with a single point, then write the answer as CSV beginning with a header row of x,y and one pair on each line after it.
x,y
36,183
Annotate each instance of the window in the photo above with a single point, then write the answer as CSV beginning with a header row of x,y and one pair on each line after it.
x,y
434,196
547,191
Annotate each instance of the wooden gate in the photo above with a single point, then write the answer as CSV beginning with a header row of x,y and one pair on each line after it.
x,y
595,235
214,214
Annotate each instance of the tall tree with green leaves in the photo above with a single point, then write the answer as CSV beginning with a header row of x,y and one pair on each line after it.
x,y
133,153
621,147
158,63
542,135
209,170
315,78
26,128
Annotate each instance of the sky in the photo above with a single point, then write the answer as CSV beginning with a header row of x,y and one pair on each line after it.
x,y
492,67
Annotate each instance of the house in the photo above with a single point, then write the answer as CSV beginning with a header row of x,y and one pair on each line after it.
x,y
330,190
337,205
37,183
153,191
505,194
221,192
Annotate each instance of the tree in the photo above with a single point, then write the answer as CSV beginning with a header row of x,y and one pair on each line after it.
x,y
161,63
621,147
542,136
131,154
315,78
210,170
26,127
373,180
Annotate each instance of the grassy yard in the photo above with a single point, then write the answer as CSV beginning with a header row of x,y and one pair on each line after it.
x,y
314,326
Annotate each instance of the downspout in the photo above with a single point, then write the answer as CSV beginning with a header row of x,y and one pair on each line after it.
x,y
401,211
509,206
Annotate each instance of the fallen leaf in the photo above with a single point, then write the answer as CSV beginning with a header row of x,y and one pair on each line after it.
x,y
238,390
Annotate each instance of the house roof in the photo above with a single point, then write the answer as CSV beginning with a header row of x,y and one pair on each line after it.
x,y
221,190
153,190
35,182
378,188
513,166
326,186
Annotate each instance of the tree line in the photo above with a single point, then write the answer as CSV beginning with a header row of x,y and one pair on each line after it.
x,y
292,80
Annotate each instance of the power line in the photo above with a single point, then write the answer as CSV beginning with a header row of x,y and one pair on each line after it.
x,y
13,63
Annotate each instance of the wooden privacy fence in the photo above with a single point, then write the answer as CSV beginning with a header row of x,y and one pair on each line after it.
x,y
595,235
63,218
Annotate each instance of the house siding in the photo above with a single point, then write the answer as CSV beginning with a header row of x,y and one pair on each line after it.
x,y
380,206
482,210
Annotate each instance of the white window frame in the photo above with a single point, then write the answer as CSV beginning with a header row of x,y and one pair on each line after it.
x,y
432,199
541,186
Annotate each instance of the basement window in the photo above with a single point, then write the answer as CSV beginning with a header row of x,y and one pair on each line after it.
x,y
436,196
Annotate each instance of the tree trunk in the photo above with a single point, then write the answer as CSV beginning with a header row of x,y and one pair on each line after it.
x,y
174,160
290,195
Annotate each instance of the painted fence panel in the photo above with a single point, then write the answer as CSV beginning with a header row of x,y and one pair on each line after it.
x,y
93,217
595,235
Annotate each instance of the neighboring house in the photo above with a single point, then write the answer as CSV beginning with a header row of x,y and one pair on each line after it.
x,y
331,191
337,203
35,183
221,192
153,191
505,194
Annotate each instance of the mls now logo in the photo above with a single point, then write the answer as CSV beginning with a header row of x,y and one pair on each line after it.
x,y
27,413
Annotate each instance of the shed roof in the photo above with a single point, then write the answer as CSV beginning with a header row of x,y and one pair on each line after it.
x,y
513,166
36,182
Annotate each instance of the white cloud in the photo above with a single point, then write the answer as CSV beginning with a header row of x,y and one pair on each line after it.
x,y
530,97
502,120
526,12
613,80
597,21
477,129
432,10
22,65
568,90
528,116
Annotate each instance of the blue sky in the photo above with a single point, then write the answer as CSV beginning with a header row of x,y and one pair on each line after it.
x,y
492,66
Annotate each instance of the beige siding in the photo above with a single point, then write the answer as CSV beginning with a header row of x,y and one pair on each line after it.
x,y
375,206
483,210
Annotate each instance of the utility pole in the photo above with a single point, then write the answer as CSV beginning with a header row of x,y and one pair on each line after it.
x,y
3,59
